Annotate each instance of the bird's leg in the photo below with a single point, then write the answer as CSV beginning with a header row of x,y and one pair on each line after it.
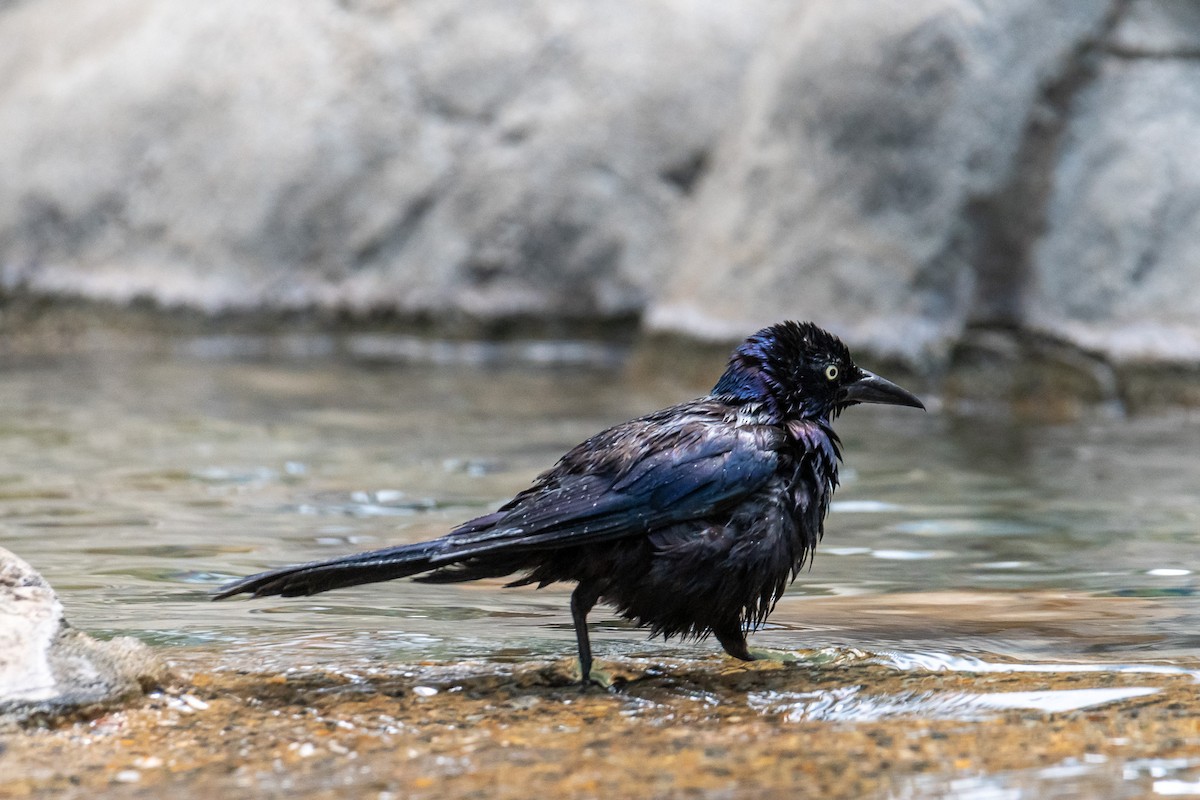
x,y
582,600
733,639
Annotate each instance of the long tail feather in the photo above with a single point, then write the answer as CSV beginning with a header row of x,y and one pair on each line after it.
x,y
321,576
372,566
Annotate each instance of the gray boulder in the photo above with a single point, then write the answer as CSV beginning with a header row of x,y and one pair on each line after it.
x,y
905,172
482,158
49,668
1158,29
1118,270
876,146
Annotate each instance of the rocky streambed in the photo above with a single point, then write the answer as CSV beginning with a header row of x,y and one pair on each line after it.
x,y
833,724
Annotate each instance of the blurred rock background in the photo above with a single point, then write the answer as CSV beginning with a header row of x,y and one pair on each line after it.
x,y
943,182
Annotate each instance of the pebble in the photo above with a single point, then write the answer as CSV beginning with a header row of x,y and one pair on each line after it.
x,y
194,702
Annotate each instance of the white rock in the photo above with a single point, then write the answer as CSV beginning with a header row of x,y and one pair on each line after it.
x,y
30,620
47,666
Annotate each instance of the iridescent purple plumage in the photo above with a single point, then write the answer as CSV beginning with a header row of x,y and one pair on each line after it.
x,y
689,521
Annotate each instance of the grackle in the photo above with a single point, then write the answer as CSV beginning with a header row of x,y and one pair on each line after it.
x,y
690,521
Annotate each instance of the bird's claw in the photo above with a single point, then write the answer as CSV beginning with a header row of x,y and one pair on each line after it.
x,y
601,679
767,654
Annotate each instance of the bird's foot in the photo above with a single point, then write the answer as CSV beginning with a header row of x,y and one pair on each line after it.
x,y
608,676
766,654
600,678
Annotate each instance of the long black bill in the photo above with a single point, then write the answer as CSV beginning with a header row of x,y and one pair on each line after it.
x,y
871,388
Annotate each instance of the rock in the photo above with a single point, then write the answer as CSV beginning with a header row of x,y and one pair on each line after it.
x,y
1159,28
483,159
905,173
30,618
868,140
48,668
1117,270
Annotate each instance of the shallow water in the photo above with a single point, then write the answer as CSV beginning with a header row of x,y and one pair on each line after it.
x,y
137,484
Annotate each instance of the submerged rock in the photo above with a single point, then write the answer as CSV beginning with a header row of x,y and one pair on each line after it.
x,y
48,668
837,723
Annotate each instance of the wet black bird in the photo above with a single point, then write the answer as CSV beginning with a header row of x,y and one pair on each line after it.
x,y
689,521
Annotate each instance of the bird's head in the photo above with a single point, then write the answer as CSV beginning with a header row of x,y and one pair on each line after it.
x,y
800,371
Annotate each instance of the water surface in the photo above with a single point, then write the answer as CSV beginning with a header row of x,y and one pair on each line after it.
x,y
976,571
138,484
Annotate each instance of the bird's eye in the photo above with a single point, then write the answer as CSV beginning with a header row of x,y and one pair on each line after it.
x,y
831,372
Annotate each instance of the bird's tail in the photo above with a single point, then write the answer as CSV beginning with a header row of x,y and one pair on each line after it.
x,y
321,576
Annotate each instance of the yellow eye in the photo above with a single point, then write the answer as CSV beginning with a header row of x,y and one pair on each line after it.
x,y
831,372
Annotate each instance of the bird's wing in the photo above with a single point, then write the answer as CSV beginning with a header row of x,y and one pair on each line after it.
x,y
656,479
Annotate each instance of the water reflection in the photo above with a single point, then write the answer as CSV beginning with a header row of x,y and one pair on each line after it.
x,y
853,704
1091,776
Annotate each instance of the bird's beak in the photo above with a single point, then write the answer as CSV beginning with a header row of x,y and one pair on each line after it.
x,y
871,388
